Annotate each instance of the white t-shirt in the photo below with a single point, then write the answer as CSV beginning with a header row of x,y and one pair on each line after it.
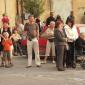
x,y
71,33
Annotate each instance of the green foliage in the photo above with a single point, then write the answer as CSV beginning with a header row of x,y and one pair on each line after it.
x,y
34,7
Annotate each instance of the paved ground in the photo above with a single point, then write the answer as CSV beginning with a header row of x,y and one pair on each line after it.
x,y
46,75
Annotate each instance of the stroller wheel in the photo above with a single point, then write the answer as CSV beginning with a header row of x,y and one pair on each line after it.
x,y
83,65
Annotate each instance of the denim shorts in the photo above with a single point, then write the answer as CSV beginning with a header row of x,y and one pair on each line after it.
x,y
6,54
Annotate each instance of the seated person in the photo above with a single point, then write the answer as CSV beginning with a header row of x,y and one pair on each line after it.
x,y
80,43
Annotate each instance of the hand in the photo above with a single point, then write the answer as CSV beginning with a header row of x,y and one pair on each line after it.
x,y
37,38
69,40
49,35
0,35
84,38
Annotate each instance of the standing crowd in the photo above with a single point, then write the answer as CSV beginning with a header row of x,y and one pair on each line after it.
x,y
61,39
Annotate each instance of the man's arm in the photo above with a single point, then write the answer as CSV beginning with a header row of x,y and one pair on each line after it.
x,y
25,29
37,27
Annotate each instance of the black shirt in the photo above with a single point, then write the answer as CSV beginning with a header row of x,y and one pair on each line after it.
x,y
49,19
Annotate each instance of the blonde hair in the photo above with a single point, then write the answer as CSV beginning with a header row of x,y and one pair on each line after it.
x,y
6,34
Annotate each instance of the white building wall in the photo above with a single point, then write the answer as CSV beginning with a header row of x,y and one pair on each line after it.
x,y
10,9
62,7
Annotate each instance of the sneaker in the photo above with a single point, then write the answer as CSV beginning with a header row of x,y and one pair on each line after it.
x,y
59,69
10,65
28,66
6,66
38,66
53,62
15,54
2,65
74,66
43,62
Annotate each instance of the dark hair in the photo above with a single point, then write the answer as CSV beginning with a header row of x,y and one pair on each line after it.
x,y
4,14
30,16
58,23
84,13
58,17
70,21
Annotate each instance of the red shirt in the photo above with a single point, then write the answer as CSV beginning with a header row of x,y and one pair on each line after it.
x,y
7,45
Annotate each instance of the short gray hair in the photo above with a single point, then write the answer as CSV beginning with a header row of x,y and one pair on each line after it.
x,y
52,22
30,16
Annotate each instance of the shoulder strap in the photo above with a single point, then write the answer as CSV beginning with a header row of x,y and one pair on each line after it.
x,y
64,32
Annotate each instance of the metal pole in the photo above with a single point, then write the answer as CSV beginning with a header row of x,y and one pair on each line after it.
x,y
50,5
17,7
22,11
5,6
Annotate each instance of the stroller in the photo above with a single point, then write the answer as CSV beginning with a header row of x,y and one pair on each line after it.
x,y
80,49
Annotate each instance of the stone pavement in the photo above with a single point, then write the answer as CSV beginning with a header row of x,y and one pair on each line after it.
x,y
46,75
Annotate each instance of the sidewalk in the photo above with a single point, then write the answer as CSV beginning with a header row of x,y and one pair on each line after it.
x,y
46,75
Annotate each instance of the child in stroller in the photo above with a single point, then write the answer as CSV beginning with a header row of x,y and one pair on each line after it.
x,y
80,48
80,42
24,43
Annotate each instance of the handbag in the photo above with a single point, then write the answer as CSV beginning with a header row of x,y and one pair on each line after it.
x,y
67,47
51,40
44,35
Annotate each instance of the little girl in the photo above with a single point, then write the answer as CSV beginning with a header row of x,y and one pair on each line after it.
x,y
6,50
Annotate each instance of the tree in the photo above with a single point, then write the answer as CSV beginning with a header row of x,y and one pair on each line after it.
x,y
34,7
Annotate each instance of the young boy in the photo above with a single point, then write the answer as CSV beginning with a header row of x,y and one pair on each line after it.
x,y
6,50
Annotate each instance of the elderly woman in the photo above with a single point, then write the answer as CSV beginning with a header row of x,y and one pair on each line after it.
x,y
50,42
60,43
